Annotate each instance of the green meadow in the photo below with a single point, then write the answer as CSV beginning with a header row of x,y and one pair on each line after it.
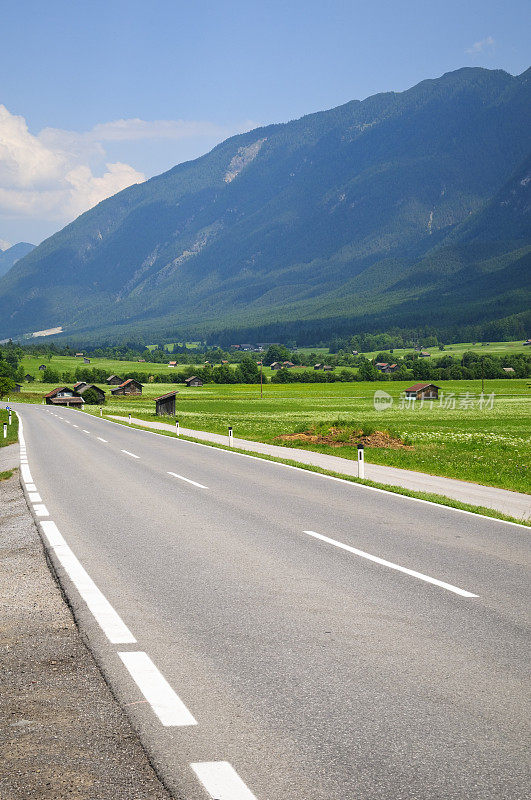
x,y
485,441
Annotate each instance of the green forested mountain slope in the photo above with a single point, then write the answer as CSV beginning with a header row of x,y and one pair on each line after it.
x,y
404,209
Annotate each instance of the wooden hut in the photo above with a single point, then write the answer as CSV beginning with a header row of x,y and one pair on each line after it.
x,y
165,405
114,380
427,390
193,381
130,386
63,396
79,385
94,388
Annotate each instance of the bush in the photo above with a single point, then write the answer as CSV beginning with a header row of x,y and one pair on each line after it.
x,y
92,398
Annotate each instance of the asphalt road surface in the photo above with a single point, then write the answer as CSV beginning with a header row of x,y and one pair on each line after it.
x,y
279,635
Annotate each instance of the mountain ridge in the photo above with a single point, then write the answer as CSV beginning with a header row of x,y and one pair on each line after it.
x,y
301,221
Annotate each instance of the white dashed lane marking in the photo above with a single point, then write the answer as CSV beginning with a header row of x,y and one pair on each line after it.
x,y
182,478
129,454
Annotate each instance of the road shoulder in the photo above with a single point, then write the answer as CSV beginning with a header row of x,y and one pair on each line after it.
x,y
65,735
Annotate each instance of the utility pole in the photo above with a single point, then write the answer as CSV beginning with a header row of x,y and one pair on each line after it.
x,y
261,378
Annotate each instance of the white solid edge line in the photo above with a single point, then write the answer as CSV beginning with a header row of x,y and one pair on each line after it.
x,y
26,474
166,704
330,477
221,780
105,615
188,480
41,510
34,497
129,454
384,563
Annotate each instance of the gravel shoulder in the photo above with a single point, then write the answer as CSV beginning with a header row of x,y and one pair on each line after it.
x,y
64,734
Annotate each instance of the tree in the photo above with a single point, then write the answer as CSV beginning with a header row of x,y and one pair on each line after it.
x,y
248,371
92,398
6,386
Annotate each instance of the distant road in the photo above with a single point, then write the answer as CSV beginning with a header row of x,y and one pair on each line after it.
x,y
275,634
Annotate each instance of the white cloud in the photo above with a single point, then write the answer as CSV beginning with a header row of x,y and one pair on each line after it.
x,y
58,174
52,176
4,245
479,47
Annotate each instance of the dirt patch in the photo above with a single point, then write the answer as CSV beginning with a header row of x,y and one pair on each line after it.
x,y
339,437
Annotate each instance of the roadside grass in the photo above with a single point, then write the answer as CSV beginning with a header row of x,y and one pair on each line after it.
x,y
426,496
4,476
12,430
489,445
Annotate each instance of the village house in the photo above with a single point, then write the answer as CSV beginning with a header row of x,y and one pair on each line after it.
x,y
318,366
86,360
63,396
528,342
83,389
328,368
165,405
172,364
18,387
276,365
508,370
79,355
113,380
130,386
42,366
288,364
386,368
193,381
79,385
428,391
424,354
28,377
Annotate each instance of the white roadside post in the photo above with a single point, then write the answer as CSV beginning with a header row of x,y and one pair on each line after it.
x,y
177,427
101,411
5,430
361,462
230,436
129,419
9,417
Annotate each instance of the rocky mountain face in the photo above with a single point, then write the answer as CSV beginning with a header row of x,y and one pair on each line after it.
x,y
405,209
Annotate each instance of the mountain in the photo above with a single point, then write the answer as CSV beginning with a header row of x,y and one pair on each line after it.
x,y
402,210
13,254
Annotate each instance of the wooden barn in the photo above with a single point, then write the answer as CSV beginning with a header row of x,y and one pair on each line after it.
x,y
194,381
42,366
87,386
427,390
86,360
63,396
28,377
114,380
79,385
18,387
130,386
165,405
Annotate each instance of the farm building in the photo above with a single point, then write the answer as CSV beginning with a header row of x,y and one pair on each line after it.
x,y
276,365
18,387
42,366
130,386
63,396
328,368
288,364
194,381
528,342
508,370
79,355
318,366
165,405
427,390
79,385
28,377
172,363
86,360
113,380
386,368
87,386
424,354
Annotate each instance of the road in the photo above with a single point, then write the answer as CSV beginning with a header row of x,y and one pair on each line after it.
x,y
279,635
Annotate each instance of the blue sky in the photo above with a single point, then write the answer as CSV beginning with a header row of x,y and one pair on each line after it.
x,y
98,95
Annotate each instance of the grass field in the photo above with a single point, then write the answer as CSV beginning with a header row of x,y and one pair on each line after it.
x,y
486,445
12,430
30,364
